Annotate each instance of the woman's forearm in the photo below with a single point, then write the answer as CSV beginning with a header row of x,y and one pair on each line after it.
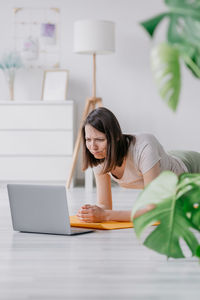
x,y
117,215
125,215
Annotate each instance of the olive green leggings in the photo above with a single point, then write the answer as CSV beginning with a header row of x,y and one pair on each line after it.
x,y
191,159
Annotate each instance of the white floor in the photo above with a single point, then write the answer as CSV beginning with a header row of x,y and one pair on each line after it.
x,y
101,265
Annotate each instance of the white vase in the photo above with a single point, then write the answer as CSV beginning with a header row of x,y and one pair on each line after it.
x,y
10,78
11,88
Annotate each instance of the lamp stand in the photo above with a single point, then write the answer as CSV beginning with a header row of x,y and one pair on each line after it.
x,y
90,104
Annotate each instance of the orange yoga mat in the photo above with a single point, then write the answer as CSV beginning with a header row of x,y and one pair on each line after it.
x,y
74,221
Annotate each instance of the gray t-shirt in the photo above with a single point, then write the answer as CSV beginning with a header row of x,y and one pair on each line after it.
x,y
141,157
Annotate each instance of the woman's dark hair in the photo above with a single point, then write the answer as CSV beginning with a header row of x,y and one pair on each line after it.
x,y
105,121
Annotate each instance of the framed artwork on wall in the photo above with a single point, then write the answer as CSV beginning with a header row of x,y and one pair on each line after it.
x,y
55,85
37,36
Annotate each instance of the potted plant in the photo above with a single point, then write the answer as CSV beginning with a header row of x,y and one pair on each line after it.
x,y
9,64
182,46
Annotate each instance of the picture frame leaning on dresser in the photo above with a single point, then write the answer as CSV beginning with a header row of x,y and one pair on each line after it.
x,y
55,84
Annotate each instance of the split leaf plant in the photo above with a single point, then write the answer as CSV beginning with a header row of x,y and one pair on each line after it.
x,y
182,45
177,208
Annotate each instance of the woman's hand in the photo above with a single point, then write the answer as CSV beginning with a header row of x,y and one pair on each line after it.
x,y
91,213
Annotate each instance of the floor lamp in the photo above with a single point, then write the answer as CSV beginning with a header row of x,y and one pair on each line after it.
x,y
91,37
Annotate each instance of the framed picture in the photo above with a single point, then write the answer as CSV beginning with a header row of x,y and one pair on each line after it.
x,y
37,36
55,85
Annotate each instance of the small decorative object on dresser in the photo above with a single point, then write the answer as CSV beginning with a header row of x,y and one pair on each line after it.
x,y
36,141
55,84
9,64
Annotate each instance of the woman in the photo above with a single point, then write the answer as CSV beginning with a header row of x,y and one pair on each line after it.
x,y
133,161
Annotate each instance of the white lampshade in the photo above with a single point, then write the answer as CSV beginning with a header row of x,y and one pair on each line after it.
x,y
94,36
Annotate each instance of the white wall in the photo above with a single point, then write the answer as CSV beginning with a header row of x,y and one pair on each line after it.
x,y
124,79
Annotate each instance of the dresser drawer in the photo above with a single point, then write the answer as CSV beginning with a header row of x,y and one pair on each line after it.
x,y
34,168
36,142
33,116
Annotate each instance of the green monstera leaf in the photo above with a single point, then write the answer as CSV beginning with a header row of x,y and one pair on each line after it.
x,y
189,195
176,217
166,70
151,24
183,33
191,5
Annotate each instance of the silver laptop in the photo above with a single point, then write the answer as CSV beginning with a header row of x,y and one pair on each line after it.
x,y
41,209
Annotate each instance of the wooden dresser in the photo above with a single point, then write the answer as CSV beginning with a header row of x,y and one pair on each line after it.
x,y
36,140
